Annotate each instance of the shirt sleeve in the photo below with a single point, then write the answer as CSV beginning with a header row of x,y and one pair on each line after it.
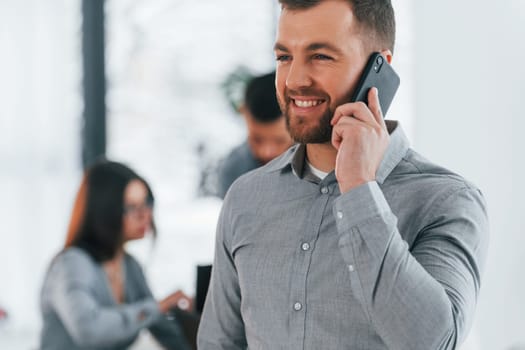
x,y
225,179
88,322
422,297
221,325
166,329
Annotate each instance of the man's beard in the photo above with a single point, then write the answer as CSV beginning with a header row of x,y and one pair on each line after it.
x,y
320,133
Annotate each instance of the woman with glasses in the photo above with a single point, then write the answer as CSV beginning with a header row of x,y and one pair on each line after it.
x,y
95,295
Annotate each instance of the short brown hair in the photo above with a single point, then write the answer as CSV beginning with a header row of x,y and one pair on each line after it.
x,y
375,16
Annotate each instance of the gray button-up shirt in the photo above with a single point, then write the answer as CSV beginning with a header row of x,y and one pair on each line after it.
x,y
79,310
392,264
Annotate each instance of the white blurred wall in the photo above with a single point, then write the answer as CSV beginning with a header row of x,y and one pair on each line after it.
x,y
469,116
40,121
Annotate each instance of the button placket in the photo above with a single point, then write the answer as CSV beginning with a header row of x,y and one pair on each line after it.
x,y
297,306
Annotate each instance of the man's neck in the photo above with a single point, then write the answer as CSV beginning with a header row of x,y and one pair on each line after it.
x,y
322,156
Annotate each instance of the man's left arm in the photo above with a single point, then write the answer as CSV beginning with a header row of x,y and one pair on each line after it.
x,y
423,296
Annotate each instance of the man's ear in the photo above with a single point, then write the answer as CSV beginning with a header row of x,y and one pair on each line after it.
x,y
242,108
243,111
388,55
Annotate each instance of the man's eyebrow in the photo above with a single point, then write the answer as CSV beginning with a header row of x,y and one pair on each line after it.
x,y
311,47
323,45
280,47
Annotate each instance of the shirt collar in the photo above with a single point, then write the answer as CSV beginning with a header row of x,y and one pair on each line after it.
x,y
397,148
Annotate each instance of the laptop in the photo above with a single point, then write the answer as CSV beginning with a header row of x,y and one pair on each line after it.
x,y
203,282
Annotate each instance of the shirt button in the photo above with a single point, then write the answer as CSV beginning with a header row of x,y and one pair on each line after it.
x,y
351,268
297,306
339,214
324,190
305,246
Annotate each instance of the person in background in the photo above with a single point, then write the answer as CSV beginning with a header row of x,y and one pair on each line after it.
x,y
95,294
3,314
266,128
350,239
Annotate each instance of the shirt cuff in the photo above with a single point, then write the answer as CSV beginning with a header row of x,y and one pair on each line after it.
x,y
146,312
359,205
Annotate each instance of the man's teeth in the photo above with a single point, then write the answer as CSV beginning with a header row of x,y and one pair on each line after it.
x,y
308,103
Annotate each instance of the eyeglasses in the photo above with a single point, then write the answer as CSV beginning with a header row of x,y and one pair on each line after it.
x,y
134,210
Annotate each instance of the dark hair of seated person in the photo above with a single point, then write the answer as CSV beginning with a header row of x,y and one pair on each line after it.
x,y
96,220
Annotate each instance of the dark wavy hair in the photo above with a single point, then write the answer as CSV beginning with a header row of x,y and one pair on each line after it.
x,y
96,220
375,16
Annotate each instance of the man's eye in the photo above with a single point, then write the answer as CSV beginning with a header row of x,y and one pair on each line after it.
x,y
322,57
282,58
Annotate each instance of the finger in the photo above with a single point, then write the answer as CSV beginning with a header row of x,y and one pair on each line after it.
x,y
337,138
375,106
341,128
357,110
347,110
337,135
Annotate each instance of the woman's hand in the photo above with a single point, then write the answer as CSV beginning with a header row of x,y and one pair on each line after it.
x,y
177,299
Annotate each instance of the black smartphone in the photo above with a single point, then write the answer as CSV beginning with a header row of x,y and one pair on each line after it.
x,y
378,73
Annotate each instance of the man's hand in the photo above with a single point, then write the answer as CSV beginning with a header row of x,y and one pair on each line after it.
x,y
361,139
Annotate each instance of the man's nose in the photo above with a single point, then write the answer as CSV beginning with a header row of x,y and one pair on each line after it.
x,y
298,76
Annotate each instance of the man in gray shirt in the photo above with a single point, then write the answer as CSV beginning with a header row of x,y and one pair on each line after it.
x,y
350,239
266,128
